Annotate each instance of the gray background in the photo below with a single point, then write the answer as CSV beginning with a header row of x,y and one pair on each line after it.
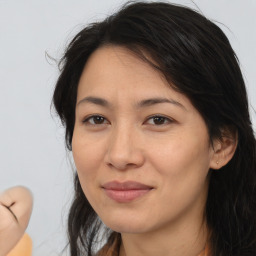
x,y
31,138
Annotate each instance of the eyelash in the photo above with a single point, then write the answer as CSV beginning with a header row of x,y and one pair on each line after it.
x,y
93,117
163,120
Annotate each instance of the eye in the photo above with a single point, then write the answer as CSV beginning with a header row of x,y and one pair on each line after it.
x,y
95,120
158,120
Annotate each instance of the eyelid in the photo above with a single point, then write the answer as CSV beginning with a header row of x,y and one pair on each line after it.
x,y
87,119
168,119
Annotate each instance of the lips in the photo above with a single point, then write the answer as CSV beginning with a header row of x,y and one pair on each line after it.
x,y
123,192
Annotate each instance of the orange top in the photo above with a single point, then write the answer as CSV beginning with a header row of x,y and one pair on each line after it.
x,y
205,252
23,247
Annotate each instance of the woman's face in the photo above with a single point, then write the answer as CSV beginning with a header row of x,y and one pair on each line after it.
x,y
141,149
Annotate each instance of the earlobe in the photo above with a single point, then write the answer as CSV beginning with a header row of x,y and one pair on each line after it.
x,y
224,149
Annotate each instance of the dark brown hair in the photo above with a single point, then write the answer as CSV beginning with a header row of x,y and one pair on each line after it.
x,y
194,55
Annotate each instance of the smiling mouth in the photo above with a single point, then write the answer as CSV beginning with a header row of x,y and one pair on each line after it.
x,y
124,192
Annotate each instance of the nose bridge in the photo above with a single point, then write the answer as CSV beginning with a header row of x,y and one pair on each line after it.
x,y
122,134
124,149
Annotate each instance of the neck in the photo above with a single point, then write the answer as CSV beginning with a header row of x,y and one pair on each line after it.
x,y
186,239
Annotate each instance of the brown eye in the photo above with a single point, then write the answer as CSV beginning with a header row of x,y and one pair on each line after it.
x,y
158,120
95,120
98,119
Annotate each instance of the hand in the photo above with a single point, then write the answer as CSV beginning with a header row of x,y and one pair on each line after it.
x,y
15,210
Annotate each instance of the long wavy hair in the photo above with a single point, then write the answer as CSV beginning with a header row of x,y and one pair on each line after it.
x,y
196,57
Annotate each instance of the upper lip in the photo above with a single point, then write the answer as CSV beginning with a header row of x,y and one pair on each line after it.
x,y
127,185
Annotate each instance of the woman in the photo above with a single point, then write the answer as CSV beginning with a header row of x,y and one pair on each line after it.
x,y
156,115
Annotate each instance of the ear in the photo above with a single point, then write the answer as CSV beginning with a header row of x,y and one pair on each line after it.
x,y
224,148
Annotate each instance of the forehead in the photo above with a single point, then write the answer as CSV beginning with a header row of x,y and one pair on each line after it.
x,y
114,71
113,62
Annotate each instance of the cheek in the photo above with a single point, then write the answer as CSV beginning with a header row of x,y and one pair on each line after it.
x,y
182,161
87,157
88,160
178,152
183,169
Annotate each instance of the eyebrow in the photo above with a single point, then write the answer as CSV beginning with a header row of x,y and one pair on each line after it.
x,y
94,100
141,104
153,101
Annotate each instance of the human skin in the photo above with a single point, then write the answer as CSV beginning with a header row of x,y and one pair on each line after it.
x,y
15,211
116,139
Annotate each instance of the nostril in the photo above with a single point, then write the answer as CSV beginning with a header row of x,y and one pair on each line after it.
x,y
122,163
123,150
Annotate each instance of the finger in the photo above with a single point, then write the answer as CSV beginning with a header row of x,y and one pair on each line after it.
x,y
19,201
6,218
10,231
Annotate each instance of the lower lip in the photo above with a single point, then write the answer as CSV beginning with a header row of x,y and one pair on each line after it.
x,y
124,196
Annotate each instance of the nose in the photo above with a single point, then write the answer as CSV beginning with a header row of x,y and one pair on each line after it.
x,y
124,149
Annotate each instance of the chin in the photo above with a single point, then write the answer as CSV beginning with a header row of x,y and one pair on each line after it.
x,y
127,225
127,229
